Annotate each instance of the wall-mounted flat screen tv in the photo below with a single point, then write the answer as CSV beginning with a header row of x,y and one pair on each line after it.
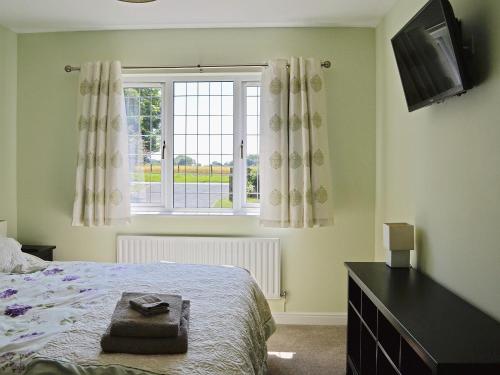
x,y
429,56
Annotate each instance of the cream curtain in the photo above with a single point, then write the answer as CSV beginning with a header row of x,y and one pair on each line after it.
x,y
294,157
102,187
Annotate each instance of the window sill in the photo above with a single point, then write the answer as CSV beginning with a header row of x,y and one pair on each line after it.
x,y
155,211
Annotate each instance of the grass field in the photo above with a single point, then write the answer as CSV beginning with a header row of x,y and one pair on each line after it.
x,y
181,178
202,169
226,203
188,174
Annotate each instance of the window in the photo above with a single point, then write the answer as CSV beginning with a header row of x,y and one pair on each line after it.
x,y
144,118
252,122
194,143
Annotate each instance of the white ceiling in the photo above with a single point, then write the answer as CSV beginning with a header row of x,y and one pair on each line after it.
x,y
26,16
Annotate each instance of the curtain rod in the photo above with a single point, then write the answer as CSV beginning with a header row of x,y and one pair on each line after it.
x,y
68,68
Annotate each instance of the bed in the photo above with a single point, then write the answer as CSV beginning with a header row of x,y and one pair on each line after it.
x,y
53,319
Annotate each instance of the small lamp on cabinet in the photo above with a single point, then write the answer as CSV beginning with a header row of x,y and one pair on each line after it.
x,y
398,241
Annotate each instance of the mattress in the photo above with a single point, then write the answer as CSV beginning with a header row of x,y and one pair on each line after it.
x,y
52,320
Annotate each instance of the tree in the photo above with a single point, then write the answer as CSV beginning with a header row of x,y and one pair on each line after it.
x,y
252,160
143,107
184,160
252,180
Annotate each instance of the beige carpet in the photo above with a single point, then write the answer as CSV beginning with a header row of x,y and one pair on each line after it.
x,y
307,350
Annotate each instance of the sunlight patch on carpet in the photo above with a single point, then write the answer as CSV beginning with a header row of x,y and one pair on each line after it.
x,y
282,355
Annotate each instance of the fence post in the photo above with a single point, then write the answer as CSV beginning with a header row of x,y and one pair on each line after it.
x,y
230,180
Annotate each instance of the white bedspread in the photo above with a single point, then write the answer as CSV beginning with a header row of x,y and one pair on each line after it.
x,y
52,321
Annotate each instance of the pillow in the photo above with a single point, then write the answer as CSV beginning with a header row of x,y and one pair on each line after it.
x,y
11,256
33,264
13,260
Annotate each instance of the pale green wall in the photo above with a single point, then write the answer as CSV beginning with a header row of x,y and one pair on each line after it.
x,y
439,167
8,100
313,271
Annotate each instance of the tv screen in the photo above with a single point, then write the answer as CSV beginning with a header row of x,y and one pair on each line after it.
x,y
429,56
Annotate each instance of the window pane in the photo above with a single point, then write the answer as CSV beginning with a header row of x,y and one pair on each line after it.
x,y
204,144
199,162
135,146
144,119
133,124
252,145
203,200
215,105
155,178
191,201
227,105
179,124
227,125
252,106
203,125
215,144
180,88
203,163
191,144
203,105
215,163
227,144
145,122
156,125
252,124
191,125
192,88
252,150
215,88
215,124
155,106
145,106
227,161
179,144
180,105
203,88
156,144
191,105
227,88
216,200
132,106
131,92
252,91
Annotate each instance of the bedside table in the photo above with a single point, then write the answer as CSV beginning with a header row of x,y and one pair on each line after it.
x,y
40,251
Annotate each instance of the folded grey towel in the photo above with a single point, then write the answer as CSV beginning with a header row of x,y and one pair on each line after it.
x,y
130,323
141,345
149,304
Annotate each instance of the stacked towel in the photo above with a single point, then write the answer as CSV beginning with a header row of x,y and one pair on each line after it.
x,y
130,323
132,332
149,304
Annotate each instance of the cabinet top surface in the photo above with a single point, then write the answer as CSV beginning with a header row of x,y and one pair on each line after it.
x,y
447,327
37,247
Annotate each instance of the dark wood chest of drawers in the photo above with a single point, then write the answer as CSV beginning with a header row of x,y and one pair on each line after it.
x,y
401,322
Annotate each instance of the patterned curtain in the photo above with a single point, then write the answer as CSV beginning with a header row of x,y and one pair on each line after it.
x,y
102,188
295,162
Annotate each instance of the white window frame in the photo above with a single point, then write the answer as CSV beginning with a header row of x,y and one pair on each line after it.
x,y
244,133
166,81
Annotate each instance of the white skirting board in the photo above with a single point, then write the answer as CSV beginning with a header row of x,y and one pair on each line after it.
x,y
319,319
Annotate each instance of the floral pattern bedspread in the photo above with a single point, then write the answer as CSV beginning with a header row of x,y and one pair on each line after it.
x,y
52,321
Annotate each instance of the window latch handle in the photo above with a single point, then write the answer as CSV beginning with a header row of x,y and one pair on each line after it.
x,y
241,149
163,151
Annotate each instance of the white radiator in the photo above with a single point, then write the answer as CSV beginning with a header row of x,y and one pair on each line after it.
x,y
260,256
